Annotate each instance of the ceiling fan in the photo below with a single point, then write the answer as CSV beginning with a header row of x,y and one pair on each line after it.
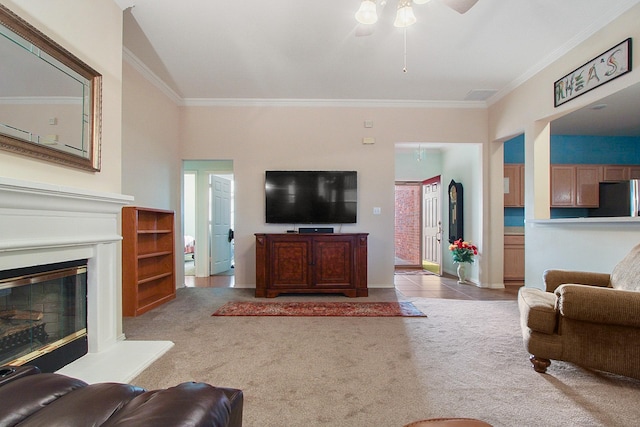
x,y
367,14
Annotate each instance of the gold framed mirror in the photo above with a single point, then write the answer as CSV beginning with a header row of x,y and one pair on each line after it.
x,y
50,101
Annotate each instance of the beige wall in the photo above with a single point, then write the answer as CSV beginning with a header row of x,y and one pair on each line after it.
x,y
151,151
91,30
150,144
529,109
262,138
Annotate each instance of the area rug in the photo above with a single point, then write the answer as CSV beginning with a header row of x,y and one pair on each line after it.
x,y
335,309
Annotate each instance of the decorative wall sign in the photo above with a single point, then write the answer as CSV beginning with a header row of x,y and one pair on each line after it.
x,y
600,70
455,211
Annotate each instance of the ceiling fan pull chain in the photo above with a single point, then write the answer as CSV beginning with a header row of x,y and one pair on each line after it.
x,y
404,70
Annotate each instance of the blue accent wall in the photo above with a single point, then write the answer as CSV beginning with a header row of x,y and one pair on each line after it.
x,y
574,149
607,150
514,150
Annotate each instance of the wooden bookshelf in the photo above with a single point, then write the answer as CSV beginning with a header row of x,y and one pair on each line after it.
x,y
148,259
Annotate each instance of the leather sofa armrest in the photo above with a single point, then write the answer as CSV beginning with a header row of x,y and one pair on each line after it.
x,y
30,394
190,403
599,305
11,373
554,278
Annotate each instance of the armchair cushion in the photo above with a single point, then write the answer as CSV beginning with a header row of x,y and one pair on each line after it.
x,y
599,305
554,278
538,310
626,274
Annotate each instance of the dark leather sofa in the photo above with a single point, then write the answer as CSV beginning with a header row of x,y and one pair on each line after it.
x,y
31,398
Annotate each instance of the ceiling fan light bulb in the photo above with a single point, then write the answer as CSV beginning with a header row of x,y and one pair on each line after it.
x,y
366,14
404,17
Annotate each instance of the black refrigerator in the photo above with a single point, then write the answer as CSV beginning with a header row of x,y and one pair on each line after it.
x,y
617,199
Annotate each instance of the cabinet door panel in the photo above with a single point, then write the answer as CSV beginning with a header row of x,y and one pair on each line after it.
x,y
290,264
513,258
634,172
333,263
562,186
615,173
587,186
512,185
522,185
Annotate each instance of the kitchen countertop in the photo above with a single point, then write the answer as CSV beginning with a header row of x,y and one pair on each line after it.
x,y
513,231
608,220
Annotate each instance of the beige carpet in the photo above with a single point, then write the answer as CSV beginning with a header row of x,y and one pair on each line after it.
x,y
465,360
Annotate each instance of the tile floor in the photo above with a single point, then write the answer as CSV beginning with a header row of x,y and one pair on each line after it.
x,y
447,287
410,285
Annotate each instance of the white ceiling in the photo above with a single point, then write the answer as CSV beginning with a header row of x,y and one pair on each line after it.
x,y
308,50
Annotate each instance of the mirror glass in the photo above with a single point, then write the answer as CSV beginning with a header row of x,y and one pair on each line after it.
x,y
49,99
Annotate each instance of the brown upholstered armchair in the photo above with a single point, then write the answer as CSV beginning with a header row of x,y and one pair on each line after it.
x,y
590,319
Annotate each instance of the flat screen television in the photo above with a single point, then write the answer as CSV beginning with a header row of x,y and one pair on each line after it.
x,y
311,197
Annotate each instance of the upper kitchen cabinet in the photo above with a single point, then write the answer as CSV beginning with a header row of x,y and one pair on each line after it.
x,y
513,185
575,185
620,172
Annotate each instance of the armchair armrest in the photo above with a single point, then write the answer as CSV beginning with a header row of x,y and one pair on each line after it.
x,y
554,278
599,305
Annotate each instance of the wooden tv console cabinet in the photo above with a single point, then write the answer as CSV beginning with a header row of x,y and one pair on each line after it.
x,y
311,263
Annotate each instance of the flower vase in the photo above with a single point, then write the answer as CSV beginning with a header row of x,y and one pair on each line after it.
x,y
462,274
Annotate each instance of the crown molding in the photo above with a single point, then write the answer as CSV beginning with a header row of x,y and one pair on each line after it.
x,y
330,103
125,4
156,81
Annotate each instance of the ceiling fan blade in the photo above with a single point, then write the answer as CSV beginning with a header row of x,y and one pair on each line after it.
x,y
460,6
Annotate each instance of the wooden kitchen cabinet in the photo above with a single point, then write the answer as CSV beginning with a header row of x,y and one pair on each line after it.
x,y
620,172
513,258
575,185
563,186
148,260
588,179
311,263
513,185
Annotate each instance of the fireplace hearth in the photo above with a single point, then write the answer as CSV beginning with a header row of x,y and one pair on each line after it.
x,y
43,315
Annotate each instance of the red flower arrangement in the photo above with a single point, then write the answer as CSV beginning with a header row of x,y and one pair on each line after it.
x,y
463,251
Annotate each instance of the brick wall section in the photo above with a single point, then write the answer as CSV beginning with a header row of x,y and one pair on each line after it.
x,y
407,227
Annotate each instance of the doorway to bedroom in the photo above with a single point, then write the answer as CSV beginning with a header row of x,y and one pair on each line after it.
x,y
208,219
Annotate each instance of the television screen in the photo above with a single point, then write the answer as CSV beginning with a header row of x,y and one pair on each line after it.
x,y
311,197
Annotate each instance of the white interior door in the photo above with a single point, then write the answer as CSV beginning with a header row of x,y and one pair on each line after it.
x,y
219,224
432,223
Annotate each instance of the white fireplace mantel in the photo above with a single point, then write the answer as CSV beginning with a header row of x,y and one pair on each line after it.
x,y
42,224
